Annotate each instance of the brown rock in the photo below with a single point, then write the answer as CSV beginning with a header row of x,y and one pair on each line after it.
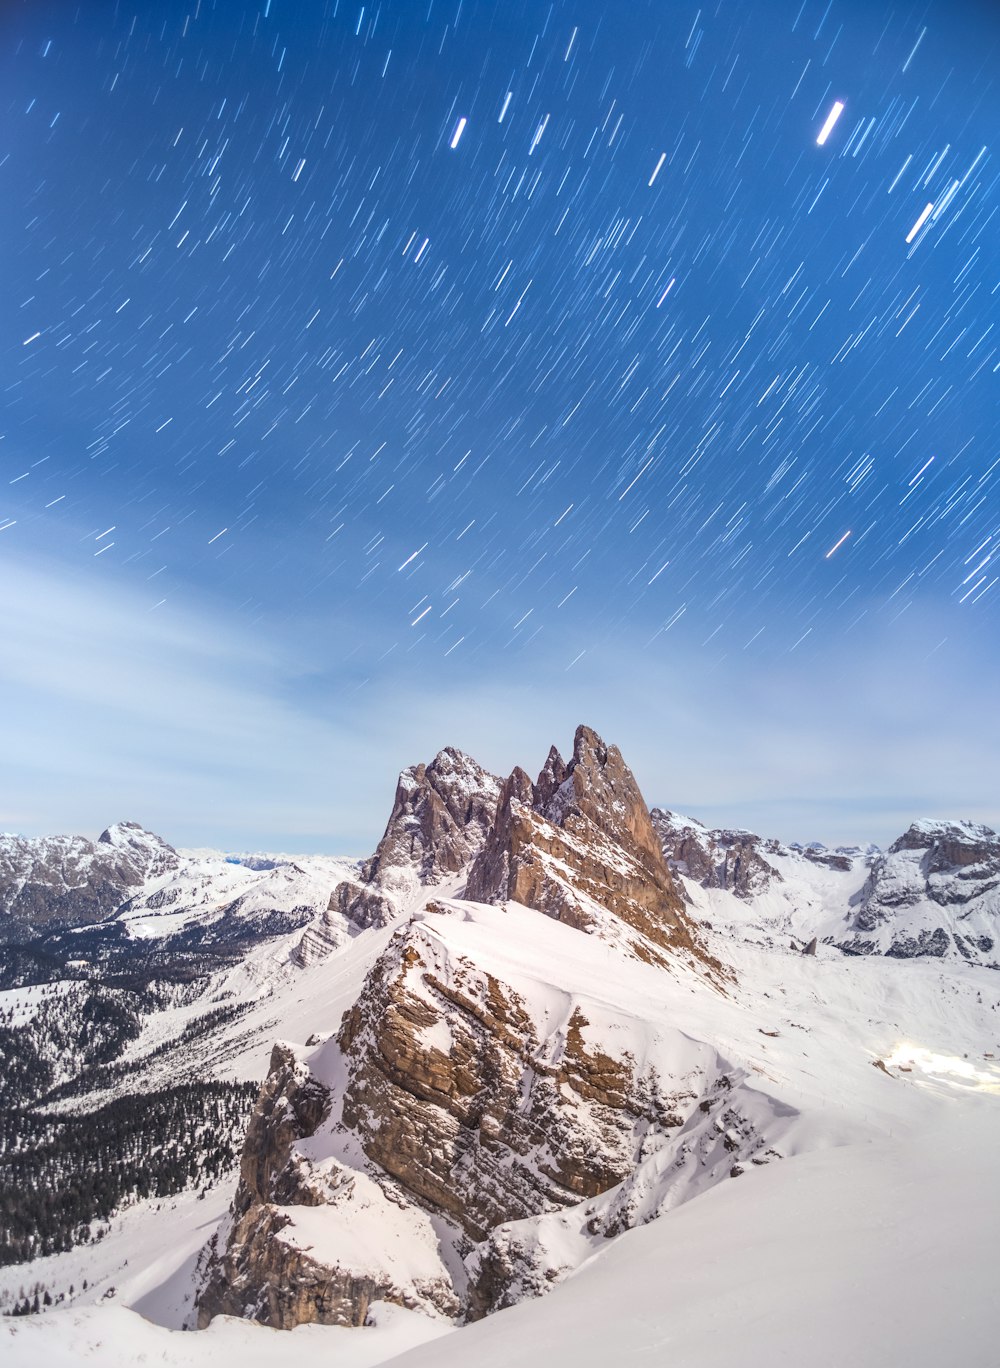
x,y
256,1273
579,846
438,823
452,1093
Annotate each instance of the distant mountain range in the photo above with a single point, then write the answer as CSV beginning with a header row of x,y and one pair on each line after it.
x,y
129,897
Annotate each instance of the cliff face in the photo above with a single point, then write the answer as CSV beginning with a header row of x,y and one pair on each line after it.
x,y
439,820
579,846
934,892
257,1275
273,1264
453,1091
498,1073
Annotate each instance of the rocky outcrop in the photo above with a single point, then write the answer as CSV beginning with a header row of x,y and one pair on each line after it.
x,y
840,860
70,881
733,860
352,905
261,1269
579,846
720,1138
452,1093
440,817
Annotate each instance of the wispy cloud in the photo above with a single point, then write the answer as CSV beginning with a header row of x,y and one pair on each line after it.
x,y
178,720
215,734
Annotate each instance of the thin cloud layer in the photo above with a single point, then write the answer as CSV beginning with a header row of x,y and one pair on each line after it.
x,y
214,734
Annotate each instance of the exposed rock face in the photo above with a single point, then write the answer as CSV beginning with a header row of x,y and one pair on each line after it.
x,y
263,1273
579,846
439,820
733,860
452,1093
832,859
291,1105
68,880
466,1106
935,892
351,904
719,1138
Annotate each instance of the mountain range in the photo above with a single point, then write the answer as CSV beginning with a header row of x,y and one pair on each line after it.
x,y
409,1092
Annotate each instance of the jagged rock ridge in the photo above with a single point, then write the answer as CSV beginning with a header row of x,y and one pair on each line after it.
x,y
579,846
71,881
461,1096
733,860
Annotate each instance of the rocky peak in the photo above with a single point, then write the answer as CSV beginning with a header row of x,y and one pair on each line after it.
x,y
948,862
551,778
141,850
579,846
439,821
935,891
600,789
951,843
70,880
439,818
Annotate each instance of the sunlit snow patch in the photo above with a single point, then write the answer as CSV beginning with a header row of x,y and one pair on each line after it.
x,y
981,1075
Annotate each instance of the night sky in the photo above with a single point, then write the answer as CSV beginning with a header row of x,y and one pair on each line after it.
x,y
435,372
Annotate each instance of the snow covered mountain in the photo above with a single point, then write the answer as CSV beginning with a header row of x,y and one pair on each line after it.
x,y
128,900
538,1018
70,881
935,892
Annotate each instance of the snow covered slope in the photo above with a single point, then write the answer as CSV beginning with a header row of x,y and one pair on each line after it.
x,y
129,902
216,898
866,1242
68,880
875,1255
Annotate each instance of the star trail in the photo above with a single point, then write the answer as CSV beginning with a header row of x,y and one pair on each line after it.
x,y
467,338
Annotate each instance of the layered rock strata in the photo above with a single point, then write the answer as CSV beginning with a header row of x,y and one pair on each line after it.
x,y
273,1261
462,1103
579,846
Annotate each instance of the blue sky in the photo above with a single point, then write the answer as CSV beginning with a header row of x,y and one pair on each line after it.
x,y
336,429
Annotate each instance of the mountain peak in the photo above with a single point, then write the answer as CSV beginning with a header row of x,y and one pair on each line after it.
x,y
130,835
579,846
438,818
928,831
